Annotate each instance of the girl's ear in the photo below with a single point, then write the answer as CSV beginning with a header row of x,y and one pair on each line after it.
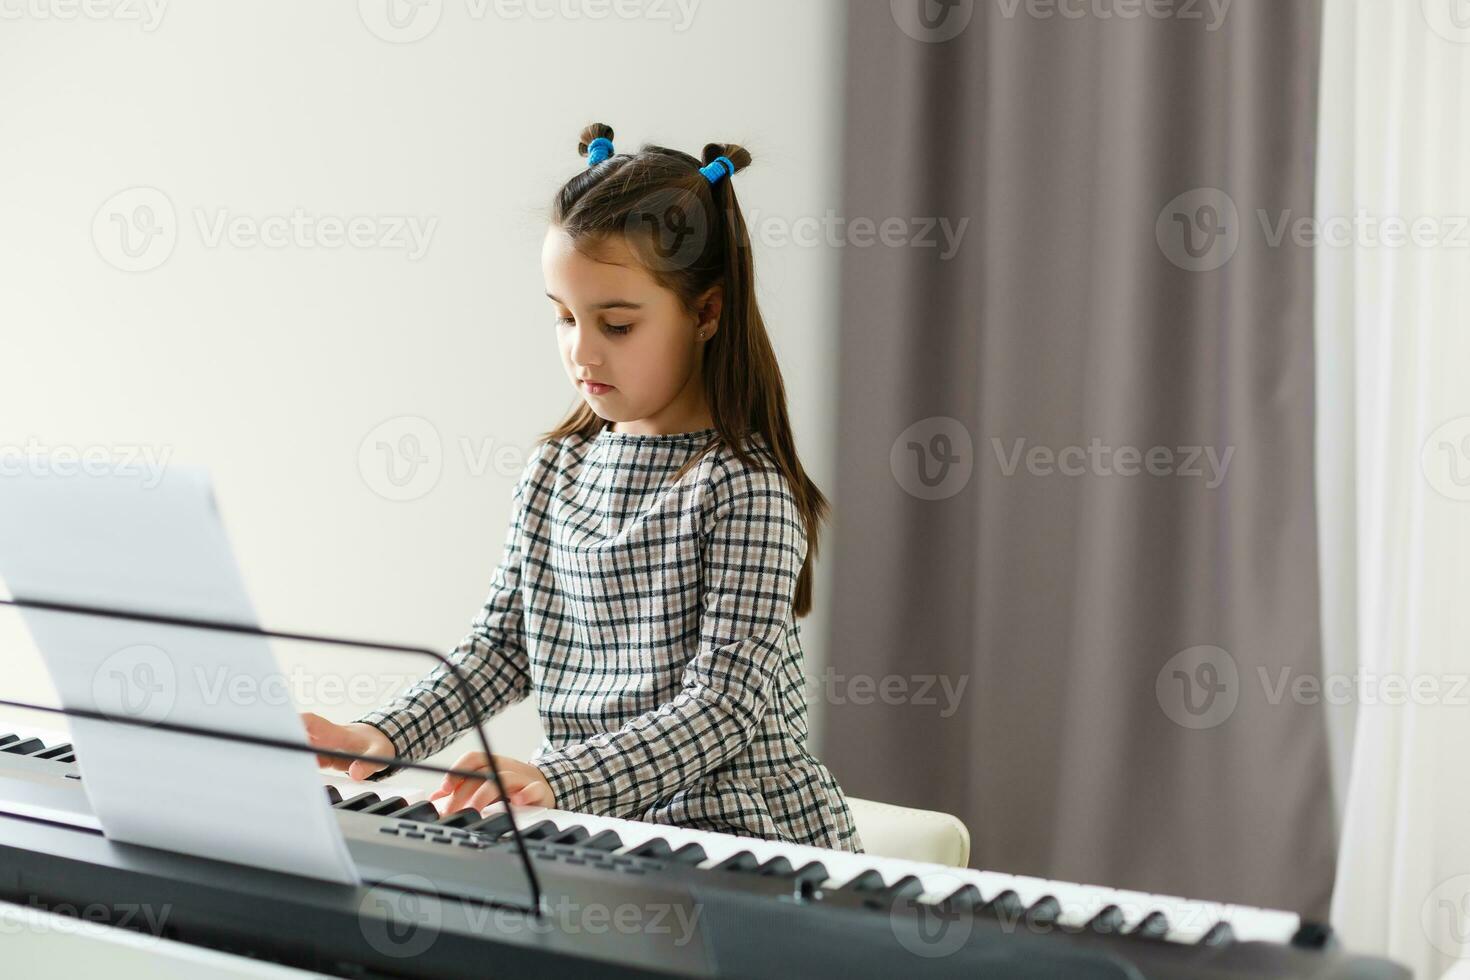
x,y
708,307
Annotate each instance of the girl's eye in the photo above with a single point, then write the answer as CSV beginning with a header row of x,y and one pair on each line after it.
x,y
617,329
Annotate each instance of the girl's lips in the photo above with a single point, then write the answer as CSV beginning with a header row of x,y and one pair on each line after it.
x,y
594,388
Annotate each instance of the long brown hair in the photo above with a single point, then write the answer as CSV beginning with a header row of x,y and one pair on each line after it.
x,y
691,236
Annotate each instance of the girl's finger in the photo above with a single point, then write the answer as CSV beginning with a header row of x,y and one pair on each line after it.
x,y
470,760
463,793
453,784
535,793
359,770
446,788
486,795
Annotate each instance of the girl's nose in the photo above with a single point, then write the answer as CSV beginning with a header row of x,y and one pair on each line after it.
x,y
584,347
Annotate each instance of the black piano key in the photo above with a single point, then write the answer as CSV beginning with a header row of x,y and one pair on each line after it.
x,y
359,802
1313,935
494,825
814,872
690,854
607,840
776,867
55,752
1109,919
334,795
1006,906
24,746
905,889
1155,925
7,738
541,830
384,807
421,812
866,881
739,861
69,757
779,867
461,818
572,835
1044,911
1220,934
962,899
654,847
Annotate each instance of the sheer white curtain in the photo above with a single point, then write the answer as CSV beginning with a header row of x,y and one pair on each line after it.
x,y
1393,462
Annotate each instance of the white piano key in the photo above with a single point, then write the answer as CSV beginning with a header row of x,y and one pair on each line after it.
x,y
1263,925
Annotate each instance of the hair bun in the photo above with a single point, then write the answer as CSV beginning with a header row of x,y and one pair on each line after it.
x,y
734,152
591,132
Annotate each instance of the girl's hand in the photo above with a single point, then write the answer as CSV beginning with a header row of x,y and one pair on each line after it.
x,y
358,737
523,781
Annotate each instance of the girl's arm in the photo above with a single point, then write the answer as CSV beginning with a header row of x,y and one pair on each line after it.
x,y
753,551
492,658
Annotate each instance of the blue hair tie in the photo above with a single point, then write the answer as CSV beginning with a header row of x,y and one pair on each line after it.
x,y
599,150
717,168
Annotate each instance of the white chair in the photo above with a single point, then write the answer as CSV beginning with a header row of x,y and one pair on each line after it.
x,y
913,835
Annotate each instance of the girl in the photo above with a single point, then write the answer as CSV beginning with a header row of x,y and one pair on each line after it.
x,y
662,538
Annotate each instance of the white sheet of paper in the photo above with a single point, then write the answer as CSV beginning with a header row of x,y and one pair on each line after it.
x,y
130,541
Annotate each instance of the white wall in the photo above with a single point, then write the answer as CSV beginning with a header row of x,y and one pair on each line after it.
x,y
272,364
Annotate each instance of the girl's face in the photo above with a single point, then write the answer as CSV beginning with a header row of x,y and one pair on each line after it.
x,y
617,327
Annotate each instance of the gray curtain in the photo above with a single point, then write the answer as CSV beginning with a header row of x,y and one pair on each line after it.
x,y
1127,643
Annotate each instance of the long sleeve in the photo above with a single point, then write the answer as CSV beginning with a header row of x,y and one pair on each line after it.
x,y
752,544
492,658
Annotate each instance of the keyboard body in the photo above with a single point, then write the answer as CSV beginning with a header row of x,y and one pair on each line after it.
x,y
445,896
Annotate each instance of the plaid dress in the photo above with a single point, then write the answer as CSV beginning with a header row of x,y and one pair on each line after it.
x,y
653,621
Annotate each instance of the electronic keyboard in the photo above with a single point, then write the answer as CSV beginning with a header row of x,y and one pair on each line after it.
x,y
623,898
